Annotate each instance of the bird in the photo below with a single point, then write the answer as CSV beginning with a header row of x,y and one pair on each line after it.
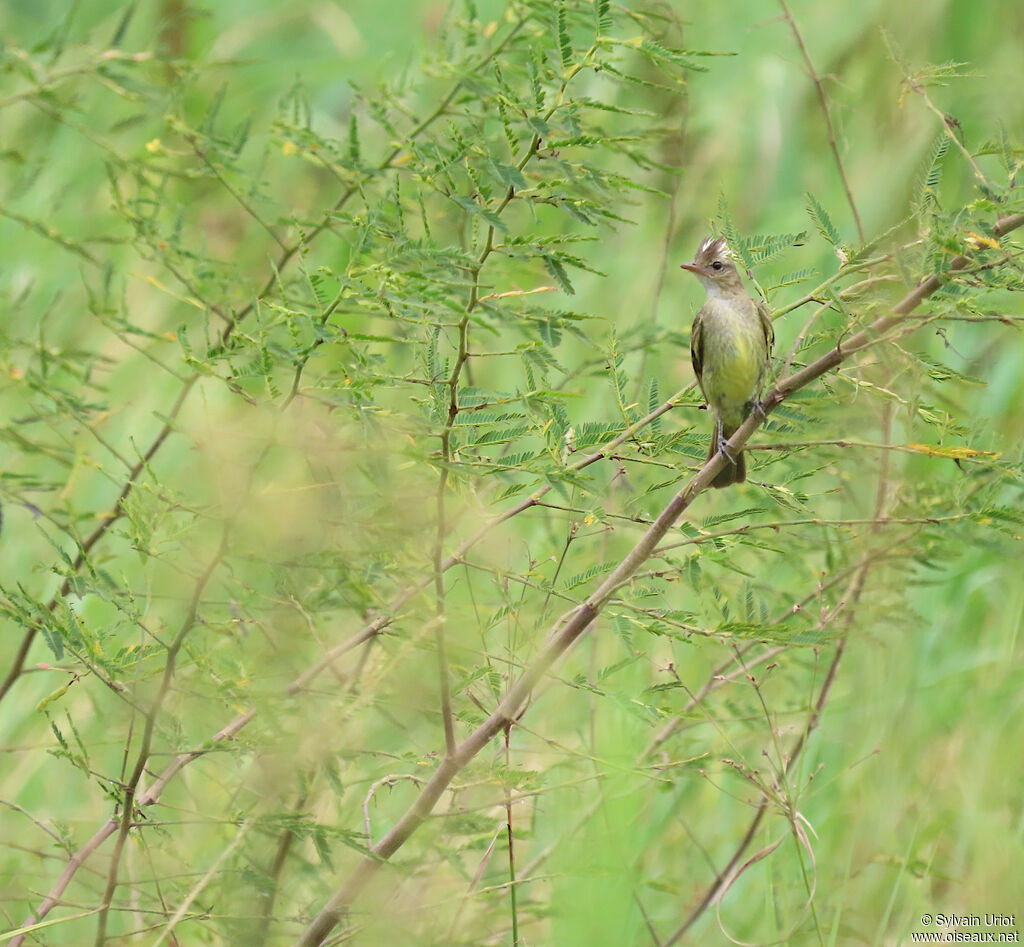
x,y
730,347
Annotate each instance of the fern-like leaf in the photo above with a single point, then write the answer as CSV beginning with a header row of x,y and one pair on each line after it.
x,y
821,220
564,43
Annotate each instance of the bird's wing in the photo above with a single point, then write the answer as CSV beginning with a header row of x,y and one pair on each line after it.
x,y
766,326
697,348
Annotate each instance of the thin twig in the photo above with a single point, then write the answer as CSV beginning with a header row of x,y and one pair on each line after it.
x,y
284,846
949,123
202,883
382,621
729,874
659,278
148,798
239,198
801,335
388,780
106,521
512,886
59,75
461,364
145,745
823,101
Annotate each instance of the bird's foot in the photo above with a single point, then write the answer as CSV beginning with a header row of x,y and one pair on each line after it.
x,y
757,407
723,446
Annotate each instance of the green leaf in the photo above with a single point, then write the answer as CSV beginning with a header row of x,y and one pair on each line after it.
x,y
821,220
678,57
353,140
470,205
564,43
930,174
508,175
761,248
653,403
557,271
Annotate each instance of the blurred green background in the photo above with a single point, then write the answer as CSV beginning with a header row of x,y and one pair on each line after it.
x,y
916,804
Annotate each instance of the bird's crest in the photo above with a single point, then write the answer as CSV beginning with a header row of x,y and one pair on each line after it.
x,y
713,248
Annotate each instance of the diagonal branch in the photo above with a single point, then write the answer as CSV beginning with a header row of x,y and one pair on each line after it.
x,y
109,827
365,871
564,635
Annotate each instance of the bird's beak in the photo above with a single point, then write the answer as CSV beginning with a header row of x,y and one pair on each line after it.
x,y
692,267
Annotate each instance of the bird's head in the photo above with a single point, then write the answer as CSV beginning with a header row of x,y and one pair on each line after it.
x,y
714,267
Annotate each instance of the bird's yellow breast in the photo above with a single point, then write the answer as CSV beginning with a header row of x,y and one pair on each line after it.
x,y
735,354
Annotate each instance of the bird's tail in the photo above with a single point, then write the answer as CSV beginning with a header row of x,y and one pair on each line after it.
x,y
732,472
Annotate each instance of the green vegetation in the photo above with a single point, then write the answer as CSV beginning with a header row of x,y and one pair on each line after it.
x,y
345,377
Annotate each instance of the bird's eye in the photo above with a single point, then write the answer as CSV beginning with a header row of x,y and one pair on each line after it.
x,y
717,265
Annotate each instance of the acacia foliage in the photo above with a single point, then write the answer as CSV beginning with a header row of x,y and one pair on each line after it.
x,y
296,379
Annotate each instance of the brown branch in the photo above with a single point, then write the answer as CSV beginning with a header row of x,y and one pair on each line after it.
x,y
564,635
512,881
727,874
738,665
865,337
115,513
823,101
150,796
462,363
146,743
284,846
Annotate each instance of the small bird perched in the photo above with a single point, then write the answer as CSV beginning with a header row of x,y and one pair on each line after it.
x,y
730,346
